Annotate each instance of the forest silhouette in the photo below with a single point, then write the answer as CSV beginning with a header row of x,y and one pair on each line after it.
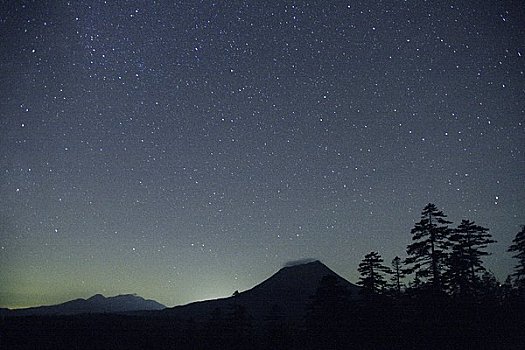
x,y
440,296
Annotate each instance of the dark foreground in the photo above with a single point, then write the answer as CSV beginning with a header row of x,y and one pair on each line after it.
x,y
382,324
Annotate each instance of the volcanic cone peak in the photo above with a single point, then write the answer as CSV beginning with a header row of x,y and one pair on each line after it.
x,y
299,280
289,290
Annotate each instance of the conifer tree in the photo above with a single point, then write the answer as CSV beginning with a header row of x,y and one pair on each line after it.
x,y
327,314
329,300
457,275
468,243
489,290
428,252
397,274
507,289
371,269
518,247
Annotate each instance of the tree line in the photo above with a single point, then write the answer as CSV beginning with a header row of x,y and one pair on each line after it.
x,y
451,302
442,261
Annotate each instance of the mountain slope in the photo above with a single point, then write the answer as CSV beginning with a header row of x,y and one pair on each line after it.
x,y
96,304
288,293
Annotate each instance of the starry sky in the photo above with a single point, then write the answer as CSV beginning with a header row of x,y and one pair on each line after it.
x,y
183,150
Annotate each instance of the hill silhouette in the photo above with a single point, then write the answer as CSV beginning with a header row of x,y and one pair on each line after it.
x,y
95,304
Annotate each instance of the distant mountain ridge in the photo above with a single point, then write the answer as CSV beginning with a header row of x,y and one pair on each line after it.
x,y
95,304
288,292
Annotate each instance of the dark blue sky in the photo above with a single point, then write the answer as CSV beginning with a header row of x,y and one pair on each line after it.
x,y
185,150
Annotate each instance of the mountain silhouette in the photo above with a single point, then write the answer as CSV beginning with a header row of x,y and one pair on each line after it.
x,y
288,293
95,304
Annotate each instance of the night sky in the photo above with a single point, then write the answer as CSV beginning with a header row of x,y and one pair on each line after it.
x,y
182,151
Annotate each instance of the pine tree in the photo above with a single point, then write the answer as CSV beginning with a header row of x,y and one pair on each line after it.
x,y
507,290
371,269
327,314
330,300
468,243
397,274
518,247
490,290
457,275
428,252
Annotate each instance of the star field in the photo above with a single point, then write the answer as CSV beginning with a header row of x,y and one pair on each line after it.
x,y
186,150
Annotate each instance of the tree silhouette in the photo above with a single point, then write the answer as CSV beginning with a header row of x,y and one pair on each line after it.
x,y
428,252
397,274
518,247
490,290
457,274
468,242
327,315
371,269
329,299
508,292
